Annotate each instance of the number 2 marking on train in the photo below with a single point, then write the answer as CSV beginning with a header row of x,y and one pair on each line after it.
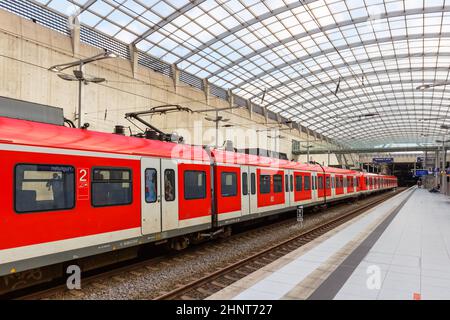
x,y
83,184
83,174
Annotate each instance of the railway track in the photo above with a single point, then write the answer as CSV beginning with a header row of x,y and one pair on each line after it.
x,y
203,284
209,284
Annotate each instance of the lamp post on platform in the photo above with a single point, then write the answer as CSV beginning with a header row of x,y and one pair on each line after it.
x,y
78,75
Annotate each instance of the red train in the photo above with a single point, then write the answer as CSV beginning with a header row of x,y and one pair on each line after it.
x,y
70,193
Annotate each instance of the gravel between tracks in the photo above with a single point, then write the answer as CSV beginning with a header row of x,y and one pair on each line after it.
x,y
149,282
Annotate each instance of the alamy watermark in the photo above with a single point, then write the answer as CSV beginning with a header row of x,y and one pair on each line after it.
x,y
74,279
373,281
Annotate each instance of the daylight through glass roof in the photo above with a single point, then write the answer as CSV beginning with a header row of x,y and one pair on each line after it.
x,y
346,69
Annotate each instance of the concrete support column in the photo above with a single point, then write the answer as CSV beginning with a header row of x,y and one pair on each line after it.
x,y
250,109
134,58
206,89
307,146
175,77
75,35
266,115
230,99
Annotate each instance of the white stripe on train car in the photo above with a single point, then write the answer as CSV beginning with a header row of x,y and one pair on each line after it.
x,y
194,221
42,249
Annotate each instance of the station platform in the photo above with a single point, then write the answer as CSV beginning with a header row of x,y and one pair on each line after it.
x,y
398,250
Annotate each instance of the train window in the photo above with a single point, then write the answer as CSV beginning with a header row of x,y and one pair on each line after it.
x,y
313,183
299,183
327,182
292,183
44,188
194,185
320,182
264,184
277,183
151,185
332,183
228,184
307,183
169,185
286,183
245,183
338,182
253,183
112,187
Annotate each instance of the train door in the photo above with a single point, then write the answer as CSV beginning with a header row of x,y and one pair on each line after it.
x,y
287,193
344,184
320,185
253,190
314,186
151,195
245,191
327,181
291,188
169,201
333,185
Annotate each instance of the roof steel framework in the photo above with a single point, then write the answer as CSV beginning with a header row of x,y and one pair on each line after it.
x,y
298,51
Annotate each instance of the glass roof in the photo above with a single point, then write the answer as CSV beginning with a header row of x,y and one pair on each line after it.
x,y
346,69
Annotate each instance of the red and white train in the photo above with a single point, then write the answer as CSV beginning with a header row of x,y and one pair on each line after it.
x,y
70,193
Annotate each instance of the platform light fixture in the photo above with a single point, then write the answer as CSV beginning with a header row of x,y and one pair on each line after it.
x,y
78,75
217,120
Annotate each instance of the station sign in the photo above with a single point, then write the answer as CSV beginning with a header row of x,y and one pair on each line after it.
x,y
383,160
420,173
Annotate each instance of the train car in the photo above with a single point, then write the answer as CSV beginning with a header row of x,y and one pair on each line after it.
x,y
71,193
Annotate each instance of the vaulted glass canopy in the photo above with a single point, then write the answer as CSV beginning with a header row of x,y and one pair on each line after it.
x,y
346,69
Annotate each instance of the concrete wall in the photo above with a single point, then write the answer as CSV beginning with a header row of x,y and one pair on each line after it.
x,y
27,50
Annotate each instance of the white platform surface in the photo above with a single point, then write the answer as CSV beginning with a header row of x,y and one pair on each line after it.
x,y
280,282
412,255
